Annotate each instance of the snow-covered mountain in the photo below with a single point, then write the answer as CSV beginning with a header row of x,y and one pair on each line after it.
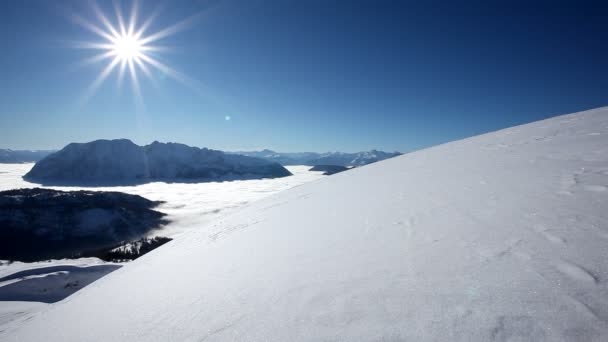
x,y
329,158
499,237
8,156
293,158
122,162
352,159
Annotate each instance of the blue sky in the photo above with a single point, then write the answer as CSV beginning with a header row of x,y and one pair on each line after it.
x,y
305,75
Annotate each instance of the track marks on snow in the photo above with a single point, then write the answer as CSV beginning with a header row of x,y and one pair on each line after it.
x,y
517,328
590,180
577,272
595,188
231,229
549,235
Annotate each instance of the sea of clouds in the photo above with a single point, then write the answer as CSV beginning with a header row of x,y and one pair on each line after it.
x,y
188,205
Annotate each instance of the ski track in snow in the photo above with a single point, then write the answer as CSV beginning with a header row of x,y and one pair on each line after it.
x,y
500,237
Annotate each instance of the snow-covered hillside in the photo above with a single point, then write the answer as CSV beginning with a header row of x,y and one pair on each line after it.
x,y
501,237
120,161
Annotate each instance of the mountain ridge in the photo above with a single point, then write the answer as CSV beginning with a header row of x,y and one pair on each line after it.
x,y
10,156
120,161
326,158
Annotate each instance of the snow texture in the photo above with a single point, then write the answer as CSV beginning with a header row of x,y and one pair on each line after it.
x,y
189,207
499,237
26,288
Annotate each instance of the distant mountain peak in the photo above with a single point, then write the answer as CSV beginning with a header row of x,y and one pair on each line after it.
x,y
327,158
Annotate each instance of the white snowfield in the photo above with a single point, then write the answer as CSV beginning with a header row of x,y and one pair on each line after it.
x,y
500,237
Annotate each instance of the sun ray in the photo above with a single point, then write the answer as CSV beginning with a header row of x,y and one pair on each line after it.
x,y
176,75
121,73
144,68
100,79
121,22
93,46
92,27
147,23
154,48
132,18
139,101
171,30
104,20
128,47
98,58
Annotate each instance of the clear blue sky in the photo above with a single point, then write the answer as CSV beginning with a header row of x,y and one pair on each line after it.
x,y
306,75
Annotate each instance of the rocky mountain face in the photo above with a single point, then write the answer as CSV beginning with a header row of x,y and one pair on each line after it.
x,y
110,162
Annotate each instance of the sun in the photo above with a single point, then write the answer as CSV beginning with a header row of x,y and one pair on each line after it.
x,y
127,48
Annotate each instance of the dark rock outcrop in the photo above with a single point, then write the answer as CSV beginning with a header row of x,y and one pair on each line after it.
x,y
329,169
40,224
128,251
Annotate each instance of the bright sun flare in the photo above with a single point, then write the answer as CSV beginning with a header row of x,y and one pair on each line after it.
x,y
127,47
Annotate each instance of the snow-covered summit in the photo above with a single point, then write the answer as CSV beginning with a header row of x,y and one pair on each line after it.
x,y
9,156
328,158
353,159
121,161
499,237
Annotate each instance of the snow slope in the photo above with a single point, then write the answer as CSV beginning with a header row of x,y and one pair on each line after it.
x,y
26,288
501,237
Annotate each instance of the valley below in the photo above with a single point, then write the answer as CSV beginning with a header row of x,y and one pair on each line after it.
x,y
28,287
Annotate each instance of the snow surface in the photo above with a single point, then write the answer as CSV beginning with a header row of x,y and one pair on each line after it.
x,y
26,288
501,237
188,207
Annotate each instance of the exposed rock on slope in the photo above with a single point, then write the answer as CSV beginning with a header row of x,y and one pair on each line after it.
x,y
130,250
39,224
328,169
109,162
